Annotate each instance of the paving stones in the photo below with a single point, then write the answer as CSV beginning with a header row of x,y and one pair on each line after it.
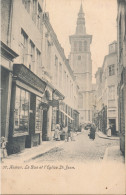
x,y
81,150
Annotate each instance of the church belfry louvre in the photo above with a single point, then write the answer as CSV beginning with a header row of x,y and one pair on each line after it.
x,y
81,64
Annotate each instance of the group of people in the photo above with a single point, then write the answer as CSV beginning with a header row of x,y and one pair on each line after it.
x,y
62,130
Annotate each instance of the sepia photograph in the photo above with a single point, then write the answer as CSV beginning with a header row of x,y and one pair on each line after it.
x,y
63,97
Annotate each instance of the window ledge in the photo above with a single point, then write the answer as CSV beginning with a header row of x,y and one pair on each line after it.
x,y
36,132
20,134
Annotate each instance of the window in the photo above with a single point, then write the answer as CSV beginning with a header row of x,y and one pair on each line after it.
x,y
55,70
60,75
27,5
39,115
79,57
111,70
111,92
75,46
48,52
38,59
34,10
32,56
80,46
85,45
24,47
39,17
21,115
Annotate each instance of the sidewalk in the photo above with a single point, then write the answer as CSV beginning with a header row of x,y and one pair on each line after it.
x,y
34,152
113,153
102,135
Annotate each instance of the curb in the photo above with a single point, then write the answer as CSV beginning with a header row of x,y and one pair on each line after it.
x,y
41,154
48,150
107,137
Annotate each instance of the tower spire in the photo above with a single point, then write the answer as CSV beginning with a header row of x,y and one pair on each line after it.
x,y
80,28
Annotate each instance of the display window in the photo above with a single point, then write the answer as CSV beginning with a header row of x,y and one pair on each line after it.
x,y
39,115
21,115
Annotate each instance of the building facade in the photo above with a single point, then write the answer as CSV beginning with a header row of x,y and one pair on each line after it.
x,y
58,72
35,98
121,32
106,80
81,64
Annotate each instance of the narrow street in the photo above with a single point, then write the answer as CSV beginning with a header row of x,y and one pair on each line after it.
x,y
82,149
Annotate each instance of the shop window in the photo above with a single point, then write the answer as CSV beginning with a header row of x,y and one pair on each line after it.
x,y
21,115
111,70
39,115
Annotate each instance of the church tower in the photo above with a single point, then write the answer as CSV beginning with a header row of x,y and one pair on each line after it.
x,y
81,64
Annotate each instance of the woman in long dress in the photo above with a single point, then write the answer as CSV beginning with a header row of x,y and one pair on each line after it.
x,y
57,132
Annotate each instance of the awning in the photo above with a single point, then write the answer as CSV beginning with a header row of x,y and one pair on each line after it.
x,y
66,115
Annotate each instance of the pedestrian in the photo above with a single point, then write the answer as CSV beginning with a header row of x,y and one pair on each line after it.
x,y
69,135
57,132
92,132
109,131
3,148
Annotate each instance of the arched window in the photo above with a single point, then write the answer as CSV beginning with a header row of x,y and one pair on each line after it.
x,y
75,46
85,45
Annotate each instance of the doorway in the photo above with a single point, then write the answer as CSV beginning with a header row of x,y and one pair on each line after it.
x,y
112,122
44,126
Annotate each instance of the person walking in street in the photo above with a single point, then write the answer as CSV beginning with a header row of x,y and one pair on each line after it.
x,y
92,132
69,132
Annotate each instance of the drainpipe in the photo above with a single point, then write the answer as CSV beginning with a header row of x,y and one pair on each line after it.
x,y
9,33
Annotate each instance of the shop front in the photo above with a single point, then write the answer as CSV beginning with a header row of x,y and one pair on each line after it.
x,y
7,56
26,112
56,114
76,120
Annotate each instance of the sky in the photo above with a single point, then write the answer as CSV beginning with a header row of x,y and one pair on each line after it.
x,y
100,20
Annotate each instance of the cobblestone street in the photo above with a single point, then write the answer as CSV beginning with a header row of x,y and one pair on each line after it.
x,y
82,149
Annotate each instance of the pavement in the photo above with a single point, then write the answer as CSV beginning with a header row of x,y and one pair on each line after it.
x,y
102,135
112,153
35,152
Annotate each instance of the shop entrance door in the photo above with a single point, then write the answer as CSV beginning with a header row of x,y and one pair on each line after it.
x,y
112,122
44,126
